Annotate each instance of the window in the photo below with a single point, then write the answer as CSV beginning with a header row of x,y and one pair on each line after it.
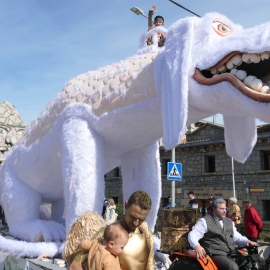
x,y
266,210
265,157
210,164
164,166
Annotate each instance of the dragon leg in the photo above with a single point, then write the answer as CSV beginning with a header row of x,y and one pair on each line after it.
x,y
141,170
82,169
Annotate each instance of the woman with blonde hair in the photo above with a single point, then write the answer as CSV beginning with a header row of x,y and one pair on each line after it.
x,y
110,215
234,212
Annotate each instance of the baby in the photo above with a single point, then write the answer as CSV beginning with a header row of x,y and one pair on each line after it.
x,y
102,254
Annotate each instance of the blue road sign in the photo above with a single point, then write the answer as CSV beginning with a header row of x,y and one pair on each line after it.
x,y
174,171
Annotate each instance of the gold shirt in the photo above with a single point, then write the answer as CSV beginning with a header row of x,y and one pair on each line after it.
x,y
138,254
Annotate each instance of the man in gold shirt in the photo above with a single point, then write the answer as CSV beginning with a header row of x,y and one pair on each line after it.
x,y
138,254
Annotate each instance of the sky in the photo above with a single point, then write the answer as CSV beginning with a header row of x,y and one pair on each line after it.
x,y
44,43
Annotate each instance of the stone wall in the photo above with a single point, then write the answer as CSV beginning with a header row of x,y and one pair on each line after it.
x,y
208,140
206,132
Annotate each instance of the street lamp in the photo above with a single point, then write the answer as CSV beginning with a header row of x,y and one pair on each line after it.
x,y
233,178
138,11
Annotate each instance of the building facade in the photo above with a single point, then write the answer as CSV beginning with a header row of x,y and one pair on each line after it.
x,y
208,170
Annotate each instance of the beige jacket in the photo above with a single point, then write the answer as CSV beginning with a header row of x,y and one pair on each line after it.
x,y
98,257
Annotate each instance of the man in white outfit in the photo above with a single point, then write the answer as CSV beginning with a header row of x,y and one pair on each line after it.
x,y
216,235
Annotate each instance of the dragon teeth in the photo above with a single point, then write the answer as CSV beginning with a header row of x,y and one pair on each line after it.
x,y
235,61
250,81
253,83
240,74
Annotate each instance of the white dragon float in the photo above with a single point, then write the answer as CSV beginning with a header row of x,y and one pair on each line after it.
x,y
114,117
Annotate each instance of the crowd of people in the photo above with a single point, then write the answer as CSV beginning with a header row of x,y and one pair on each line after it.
x,y
215,234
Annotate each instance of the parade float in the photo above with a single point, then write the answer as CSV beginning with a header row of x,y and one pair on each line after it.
x,y
114,116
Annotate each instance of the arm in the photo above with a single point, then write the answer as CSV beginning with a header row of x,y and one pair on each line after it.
x,y
197,233
161,43
107,213
85,245
76,266
151,261
78,260
257,220
112,216
193,203
111,263
241,240
152,10
150,243
238,238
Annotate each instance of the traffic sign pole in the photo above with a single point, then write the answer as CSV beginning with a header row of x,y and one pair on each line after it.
x,y
173,182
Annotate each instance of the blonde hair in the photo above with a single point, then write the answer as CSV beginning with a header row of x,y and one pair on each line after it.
x,y
111,201
233,200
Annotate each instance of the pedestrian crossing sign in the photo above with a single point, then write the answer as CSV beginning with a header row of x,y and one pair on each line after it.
x,y
174,171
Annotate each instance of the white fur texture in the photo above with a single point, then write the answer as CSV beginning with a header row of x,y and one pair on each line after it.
x,y
29,250
66,166
162,257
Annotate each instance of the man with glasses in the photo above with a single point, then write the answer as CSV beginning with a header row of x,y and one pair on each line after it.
x,y
216,235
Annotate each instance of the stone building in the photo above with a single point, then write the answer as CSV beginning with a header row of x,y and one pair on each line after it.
x,y
11,127
207,170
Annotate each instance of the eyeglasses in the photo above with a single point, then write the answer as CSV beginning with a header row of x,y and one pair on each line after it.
x,y
222,209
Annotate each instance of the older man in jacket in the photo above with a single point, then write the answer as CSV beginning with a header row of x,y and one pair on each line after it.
x,y
216,235
253,222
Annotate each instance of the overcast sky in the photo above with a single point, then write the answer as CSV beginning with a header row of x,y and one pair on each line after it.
x,y
44,43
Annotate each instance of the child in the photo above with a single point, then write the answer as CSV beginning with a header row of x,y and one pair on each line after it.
x,y
102,254
158,21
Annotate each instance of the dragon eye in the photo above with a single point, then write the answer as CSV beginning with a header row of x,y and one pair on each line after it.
x,y
221,28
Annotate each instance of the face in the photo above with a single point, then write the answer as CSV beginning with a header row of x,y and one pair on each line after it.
x,y
220,211
135,216
246,205
159,22
190,196
116,247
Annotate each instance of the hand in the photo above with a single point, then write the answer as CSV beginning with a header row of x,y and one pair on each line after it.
x,y
250,243
200,252
152,9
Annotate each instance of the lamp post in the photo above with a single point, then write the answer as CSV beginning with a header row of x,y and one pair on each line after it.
x,y
138,11
233,178
173,182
